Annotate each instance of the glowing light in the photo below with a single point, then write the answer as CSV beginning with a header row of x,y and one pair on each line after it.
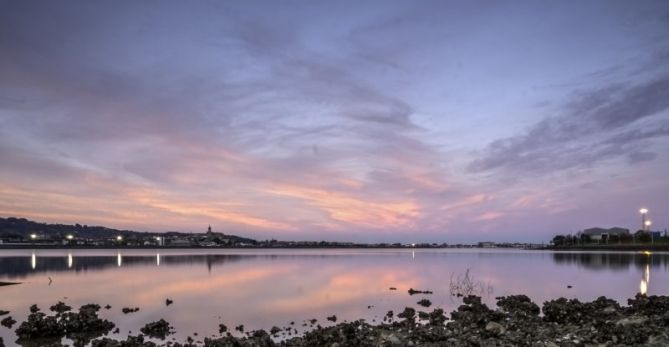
x,y
645,281
647,252
119,238
70,261
33,236
119,259
413,245
643,211
69,237
33,260
157,259
648,223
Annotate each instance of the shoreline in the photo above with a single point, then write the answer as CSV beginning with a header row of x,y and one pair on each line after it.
x,y
515,321
612,247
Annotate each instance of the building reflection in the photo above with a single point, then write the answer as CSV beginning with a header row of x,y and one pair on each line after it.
x,y
612,261
643,261
22,266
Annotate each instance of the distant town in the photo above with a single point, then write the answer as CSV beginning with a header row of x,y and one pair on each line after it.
x,y
23,233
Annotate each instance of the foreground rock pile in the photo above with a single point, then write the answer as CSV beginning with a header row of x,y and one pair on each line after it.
x,y
516,321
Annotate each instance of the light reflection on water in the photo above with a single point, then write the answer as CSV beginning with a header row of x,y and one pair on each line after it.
x,y
262,288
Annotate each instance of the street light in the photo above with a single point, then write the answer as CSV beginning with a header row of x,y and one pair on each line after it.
x,y
69,237
33,236
644,214
119,238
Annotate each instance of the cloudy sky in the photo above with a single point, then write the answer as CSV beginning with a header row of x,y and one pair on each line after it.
x,y
338,120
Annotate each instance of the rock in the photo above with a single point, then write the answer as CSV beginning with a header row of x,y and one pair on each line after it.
x,y
425,303
391,338
127,310
168,302
159,329
332,318
392,288
518,305
495,328
60,307
8,322
634,320
222,328
107,307
415,291
2,313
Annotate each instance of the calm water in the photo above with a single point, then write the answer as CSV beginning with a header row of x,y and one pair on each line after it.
x,y
262,288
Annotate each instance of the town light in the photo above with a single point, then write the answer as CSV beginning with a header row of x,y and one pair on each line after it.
x,y
643,211
33,236
648,223
69,237
119,238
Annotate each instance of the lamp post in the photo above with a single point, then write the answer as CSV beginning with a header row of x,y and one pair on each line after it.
x,y
644,215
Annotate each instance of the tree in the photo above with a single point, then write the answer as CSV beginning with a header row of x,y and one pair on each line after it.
x,y
559,240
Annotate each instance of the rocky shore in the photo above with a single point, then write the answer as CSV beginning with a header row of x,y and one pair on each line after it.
x,y
516,321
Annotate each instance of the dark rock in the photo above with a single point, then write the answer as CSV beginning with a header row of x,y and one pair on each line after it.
x,y
240,328
2,313
415,291
159,329
168,302
409,314
332,318
8,322
60,307
127,310
425,303
222,328
107,307
518,305
392,288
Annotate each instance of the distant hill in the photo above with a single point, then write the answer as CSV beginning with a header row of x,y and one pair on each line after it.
x,y
21,228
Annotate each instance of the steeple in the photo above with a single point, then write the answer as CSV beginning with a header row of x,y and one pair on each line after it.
x,y
209,229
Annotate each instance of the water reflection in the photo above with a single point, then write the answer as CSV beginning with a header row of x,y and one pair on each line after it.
x,y
261,288
645,281
612,261
22,266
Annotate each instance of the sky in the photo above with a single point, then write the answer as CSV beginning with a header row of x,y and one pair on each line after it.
x,y
373,121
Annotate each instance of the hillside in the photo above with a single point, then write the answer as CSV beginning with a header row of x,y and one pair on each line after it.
x,y
13,228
